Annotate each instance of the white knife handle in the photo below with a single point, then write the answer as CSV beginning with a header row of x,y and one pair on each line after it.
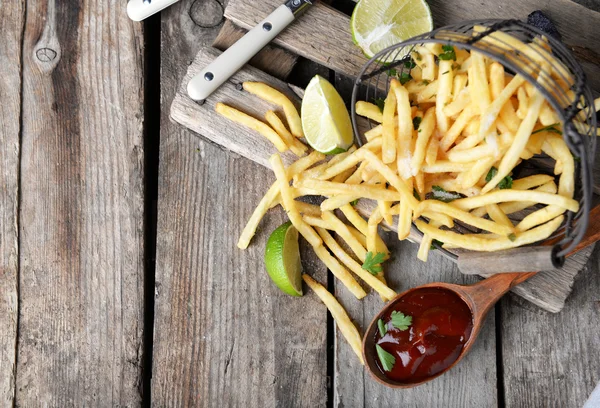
x,y
137,10
221,69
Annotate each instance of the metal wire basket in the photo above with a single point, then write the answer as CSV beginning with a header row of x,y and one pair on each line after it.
x,y
574,106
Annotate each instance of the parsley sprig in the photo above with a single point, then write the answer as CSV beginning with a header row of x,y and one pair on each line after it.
x,y
438,193
505,183
448,53
400,321
372,262
380,102
387,360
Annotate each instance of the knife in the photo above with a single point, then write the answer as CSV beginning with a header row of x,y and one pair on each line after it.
x,y
203,84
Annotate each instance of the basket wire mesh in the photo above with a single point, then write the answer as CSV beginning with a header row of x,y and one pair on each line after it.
x,y
568,94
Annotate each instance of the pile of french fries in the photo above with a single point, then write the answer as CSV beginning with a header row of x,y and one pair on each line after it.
x,y
448,139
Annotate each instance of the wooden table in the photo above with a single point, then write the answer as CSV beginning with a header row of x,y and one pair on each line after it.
x,y
120,281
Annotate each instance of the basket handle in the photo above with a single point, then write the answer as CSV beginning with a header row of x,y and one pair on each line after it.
x,y
528,259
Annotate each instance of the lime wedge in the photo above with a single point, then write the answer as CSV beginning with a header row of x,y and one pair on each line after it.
x,y
378,24
282,259
325,119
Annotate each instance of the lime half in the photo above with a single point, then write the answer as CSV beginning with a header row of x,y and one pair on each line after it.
x,y
378,24
282,259
325,119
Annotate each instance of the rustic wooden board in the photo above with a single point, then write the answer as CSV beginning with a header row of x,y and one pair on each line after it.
x,y
12,16
224,335
81,215
547,290
330,41
551,360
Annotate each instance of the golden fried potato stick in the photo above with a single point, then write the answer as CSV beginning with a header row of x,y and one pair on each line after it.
x,y
343,231
289,203
497,215
252,123
362,226
444,94
339,271
424,134
347,328
269,94
369,110
295,145
381,288
458,126
475,242
405,129
328,188
502,196
388,148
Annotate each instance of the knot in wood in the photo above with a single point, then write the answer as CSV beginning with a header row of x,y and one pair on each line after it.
x,y
46,54
206,13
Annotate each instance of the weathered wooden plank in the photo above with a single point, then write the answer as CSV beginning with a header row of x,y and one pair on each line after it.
x,y
224,335
551,360
471,384
323,34
11,24
272,60
81,258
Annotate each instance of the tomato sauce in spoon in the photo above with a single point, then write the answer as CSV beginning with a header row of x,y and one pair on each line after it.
x,y
434,339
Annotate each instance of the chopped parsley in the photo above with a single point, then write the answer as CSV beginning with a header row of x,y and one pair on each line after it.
x,y
400,321
448,53
373,263
416,194
409,64
405,77
380,102
353,203
382,328
417,122
444,73
387,360
434,243
512,237
392,72
426,82
505,183
438,193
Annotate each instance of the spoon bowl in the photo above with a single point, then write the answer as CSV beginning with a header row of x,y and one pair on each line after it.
x,y
479,297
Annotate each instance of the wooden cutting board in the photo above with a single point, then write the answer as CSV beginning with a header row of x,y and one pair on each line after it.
x,y
321,35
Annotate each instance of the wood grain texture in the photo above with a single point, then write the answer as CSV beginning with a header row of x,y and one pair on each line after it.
x,y
81,258
224,335
471,384
11,23
273,60
552,359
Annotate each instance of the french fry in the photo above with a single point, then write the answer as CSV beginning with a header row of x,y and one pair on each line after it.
x,y
428,66
548,116
424,134
388,147
502,196
317,222
362,226
348,162
457,127
348,330
271,195
343,176
476,172
339,272
475,242
490,115
296,146
308,209
405,129
369,110
460,102
384,208
426,242
539,217
445,166
381,288
427,95
498,216
377,131
366,191
516,206
445,208
252,123
289,203
566,184
523,103
404,220
337,201
528,182
470,155
343,231
460,83
432,151
271,95
444,94
510,159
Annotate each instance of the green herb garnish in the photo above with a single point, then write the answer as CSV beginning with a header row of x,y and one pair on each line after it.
x,y
551,128
512,237
380,102
417,122
372,263
353,203
434,243
409,64
426,82
504,184
387,360
381,326
400,321
392,72
405,77
416,194
444,73
448,54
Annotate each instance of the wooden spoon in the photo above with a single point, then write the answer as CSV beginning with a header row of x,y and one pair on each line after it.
x,y
479,297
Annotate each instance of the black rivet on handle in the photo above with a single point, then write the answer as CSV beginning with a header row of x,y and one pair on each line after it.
x,y
267,26
209,76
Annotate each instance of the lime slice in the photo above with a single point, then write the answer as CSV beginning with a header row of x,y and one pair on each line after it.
x,y
378,24
282,259
325,119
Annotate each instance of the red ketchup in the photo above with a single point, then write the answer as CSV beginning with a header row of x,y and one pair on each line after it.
x,y
441,325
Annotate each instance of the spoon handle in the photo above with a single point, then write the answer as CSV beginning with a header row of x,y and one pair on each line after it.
x,y
487,292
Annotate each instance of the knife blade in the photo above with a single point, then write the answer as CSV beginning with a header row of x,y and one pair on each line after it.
x,y
203,84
